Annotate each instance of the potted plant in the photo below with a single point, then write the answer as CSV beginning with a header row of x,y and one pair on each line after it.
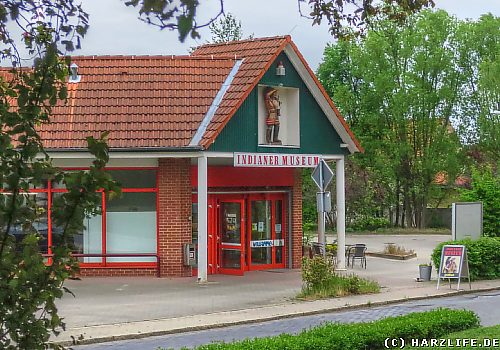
x,y
425,272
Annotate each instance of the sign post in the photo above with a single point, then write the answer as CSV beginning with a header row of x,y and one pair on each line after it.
x,y
322,175
454,264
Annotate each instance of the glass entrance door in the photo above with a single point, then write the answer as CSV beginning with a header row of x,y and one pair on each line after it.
x,y
266,243
231,237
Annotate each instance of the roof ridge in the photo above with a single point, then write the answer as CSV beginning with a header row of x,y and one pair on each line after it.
x,y
153,57
267,38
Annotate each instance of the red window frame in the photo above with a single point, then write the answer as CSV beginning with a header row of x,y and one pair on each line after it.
x,y
104,264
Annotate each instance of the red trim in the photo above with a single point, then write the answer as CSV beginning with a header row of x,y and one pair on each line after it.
x,y
139,190
103,264
49,220
117,265
104,247
158,221
115,168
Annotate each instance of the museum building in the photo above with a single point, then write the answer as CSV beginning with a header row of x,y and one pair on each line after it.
x,y
209,150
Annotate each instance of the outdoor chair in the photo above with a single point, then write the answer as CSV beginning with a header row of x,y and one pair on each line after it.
x,y
318,249
358,252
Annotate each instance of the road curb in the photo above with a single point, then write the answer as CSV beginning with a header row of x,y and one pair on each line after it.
x,y
139,335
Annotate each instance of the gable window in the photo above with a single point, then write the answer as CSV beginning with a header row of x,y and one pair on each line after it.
x,y
278,116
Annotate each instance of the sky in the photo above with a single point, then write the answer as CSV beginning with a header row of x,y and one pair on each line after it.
x,y
115,29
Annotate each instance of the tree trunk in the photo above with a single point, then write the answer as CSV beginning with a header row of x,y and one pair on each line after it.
x,y
398,192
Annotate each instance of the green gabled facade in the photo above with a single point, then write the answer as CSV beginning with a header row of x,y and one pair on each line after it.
x,y
317,135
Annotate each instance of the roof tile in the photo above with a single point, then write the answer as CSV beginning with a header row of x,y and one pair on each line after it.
x,y
144,101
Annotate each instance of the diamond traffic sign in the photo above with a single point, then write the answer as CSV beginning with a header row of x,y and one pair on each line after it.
x,y
322,175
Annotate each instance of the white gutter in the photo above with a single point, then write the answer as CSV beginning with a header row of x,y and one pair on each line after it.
x,y
215,104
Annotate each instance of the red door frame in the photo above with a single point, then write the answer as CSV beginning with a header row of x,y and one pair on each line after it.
x,y
214,245
214,230
220,199
273,197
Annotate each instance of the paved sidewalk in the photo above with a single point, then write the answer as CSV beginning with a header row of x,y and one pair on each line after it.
x,y
120,308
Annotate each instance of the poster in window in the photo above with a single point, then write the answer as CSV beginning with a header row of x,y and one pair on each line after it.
x,y
261,226
231,223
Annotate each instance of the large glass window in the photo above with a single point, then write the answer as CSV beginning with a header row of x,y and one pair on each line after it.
x,y
278,230
41,223
135,178
87,241
261,243
131,226
127,224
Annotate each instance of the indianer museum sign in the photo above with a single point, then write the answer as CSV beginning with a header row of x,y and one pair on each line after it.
x,y
276,160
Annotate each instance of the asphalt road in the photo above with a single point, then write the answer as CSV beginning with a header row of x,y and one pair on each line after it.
x,y
485,305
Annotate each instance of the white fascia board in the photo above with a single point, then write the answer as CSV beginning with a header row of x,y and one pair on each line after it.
x,y
320,99
123,155
142,155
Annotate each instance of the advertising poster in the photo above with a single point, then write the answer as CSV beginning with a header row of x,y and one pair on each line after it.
x,y
451,261
454,264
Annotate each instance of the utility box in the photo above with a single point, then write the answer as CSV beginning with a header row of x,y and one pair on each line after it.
x,y
190,254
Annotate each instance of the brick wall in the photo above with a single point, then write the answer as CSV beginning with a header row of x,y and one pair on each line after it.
x,y
117,272
174,214
297,219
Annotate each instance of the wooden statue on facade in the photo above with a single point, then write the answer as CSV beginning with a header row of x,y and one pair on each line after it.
x,y
272,104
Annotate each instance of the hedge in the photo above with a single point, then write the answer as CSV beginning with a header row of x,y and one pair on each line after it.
x,y
371,335
483,256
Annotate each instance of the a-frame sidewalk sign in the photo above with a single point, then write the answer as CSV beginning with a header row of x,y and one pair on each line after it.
x,y
454,264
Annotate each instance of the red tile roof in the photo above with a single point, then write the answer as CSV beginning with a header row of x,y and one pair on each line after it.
x,y
145,101
160,101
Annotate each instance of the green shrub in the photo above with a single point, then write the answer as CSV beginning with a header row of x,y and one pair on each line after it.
x,y
486,189
316,272
321,281
308,226
483,255
368,224
372,335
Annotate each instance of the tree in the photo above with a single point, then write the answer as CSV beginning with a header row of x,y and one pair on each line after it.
x,y
29,285
400,88
347,18
228,28
486,189
478,110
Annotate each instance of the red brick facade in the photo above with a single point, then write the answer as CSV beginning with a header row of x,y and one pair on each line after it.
x,y
297,219
174,215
